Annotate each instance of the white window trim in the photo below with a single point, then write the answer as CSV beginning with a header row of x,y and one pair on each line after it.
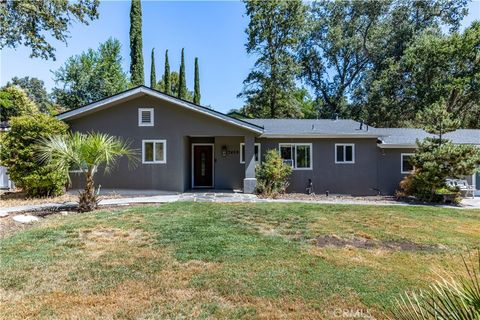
x,y
154,151
401,162
344,153
294,145
259,152
152,117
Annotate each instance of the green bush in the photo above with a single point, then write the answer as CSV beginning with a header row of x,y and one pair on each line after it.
x,y
14,101
272,175
434,162
19,156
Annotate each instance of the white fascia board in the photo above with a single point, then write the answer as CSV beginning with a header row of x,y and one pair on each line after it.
x,y
397,146
319,136
95,105
412,146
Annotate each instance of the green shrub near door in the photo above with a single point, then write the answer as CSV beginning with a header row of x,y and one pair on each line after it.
x,y
272,175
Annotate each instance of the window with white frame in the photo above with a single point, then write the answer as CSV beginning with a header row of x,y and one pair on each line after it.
x,y
145,117
154,151
344,153
242,152
406,165
298,155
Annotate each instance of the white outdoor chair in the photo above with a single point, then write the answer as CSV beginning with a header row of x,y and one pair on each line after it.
x,y
462,185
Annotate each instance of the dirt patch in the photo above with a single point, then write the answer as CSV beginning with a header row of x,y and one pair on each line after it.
x,y
364,243
19,198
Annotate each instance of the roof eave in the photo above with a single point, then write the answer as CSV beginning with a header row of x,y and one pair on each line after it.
x,y
396,145
320,136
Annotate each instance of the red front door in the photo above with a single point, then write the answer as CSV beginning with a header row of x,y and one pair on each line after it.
x,y
202,166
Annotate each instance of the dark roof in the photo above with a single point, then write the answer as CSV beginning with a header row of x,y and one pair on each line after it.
x,y
312,127
297,127
409,136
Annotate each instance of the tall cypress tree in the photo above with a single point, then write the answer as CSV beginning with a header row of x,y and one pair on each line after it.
x,y
196,93
153,76
166,75
136,47
182,83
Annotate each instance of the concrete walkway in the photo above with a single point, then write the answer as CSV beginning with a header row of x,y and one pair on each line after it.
x,y
212,197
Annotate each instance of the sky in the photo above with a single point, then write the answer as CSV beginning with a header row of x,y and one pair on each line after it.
x,y
213,31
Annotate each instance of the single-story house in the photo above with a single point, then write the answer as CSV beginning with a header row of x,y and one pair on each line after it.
x,y
186,146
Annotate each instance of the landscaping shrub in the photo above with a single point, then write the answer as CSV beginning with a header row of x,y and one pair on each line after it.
x,y
18,154
434,161
272,175
437,159
87,152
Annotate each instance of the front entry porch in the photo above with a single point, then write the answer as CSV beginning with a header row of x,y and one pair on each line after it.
x,y
221,163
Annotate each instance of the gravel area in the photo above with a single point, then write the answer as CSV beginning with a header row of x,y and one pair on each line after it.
x,y
336,198
18,198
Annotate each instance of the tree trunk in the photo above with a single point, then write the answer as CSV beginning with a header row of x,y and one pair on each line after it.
x,y
88,201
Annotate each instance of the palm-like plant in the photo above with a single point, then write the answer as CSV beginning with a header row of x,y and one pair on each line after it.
x,y
87,152
453,297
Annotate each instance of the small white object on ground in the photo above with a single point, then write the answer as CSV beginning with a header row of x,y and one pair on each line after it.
x,y
24,218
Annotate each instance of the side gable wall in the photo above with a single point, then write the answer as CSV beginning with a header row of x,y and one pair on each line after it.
x,y
171,122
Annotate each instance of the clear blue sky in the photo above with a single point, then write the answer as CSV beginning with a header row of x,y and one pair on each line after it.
x,y
212,31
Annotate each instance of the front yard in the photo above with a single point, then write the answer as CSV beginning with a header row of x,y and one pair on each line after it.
x,y
246,260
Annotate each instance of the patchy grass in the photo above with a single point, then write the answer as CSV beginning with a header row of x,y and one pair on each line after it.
x,y
230,261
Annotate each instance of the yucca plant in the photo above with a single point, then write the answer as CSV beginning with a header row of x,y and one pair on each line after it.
x,y
87,152
453,296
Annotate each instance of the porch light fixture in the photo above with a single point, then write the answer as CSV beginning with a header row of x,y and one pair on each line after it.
x,y
224,151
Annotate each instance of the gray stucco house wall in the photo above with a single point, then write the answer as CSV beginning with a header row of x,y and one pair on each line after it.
x,y
183,126
389,169
358,178
180,128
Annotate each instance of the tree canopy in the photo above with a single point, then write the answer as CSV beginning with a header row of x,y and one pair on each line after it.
x,y
90,76
136,44
36,91
349,45
174,80
153,75
182,82
34,23
434,68
273,33
196,90
14,102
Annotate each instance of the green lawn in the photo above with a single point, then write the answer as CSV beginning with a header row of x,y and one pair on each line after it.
x,y
231,261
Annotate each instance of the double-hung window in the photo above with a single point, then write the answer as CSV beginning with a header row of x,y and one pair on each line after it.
x,y
298,155
145,117
154,151
344,153
242,152
406,166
